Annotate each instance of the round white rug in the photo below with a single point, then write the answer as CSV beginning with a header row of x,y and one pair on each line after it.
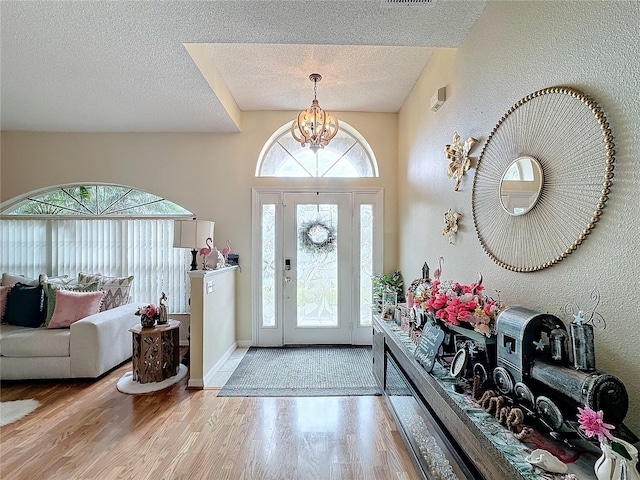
x,y
15,410
127,385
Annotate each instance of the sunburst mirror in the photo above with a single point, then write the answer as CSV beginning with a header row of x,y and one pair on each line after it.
x,y
542,179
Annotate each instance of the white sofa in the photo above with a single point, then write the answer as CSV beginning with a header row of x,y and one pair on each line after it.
x,y
88,349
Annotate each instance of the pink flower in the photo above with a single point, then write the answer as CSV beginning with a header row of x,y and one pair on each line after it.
x,y
148,311
440,301
593,424
489,308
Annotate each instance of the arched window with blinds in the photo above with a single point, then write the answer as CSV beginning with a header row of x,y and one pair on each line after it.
x,y
108,229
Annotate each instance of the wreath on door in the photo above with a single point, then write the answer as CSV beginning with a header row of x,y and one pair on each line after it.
x,y
317,237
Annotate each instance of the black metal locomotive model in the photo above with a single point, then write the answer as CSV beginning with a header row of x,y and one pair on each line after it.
x,y
534,368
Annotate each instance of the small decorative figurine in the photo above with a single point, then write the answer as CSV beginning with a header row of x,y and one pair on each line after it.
x,y
425,272
451,224
582,334
547,461
438,272
221,261
226,251
163,310
205,252
458,155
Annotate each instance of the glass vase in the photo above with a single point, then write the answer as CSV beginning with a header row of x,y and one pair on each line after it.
x,y
613,466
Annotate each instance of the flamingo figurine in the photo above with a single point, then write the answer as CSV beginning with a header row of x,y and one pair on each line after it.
x,y
477,284
226,251
438,272
206,251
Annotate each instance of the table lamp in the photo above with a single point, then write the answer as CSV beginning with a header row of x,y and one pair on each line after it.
x,y
192,234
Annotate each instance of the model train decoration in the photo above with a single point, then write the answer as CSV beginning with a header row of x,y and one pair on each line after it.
x,y
529,362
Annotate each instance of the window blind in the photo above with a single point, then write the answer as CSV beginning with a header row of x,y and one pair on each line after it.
x,y
114,247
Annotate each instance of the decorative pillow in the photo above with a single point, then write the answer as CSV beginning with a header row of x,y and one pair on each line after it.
x,y
117,288
11,279
89,277
73,306
64,279
24,306
51,288
4,293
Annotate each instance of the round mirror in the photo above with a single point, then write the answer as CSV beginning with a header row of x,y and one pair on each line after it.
x,y
578,154
521,185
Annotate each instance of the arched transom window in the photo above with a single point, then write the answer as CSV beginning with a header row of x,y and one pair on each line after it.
x,y
347,155
95,201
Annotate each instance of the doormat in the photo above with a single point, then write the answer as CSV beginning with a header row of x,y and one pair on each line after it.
x,y
318,371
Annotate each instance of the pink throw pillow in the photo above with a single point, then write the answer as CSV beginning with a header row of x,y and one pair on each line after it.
x,y
4,293
73,306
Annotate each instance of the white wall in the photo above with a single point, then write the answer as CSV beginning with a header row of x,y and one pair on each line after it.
x,y
514,49
208,174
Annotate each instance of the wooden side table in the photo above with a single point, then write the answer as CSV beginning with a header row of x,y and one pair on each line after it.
x,y
156,352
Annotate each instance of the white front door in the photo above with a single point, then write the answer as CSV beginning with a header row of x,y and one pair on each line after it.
x,y
314,254
317,268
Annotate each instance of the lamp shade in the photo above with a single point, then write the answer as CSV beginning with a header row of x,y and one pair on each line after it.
x,y
192,234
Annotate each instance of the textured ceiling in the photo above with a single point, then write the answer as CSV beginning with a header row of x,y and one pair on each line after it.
x,y
106,66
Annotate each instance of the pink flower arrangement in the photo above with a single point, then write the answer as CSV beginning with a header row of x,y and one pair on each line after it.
x,y
593,425
150,311
453,303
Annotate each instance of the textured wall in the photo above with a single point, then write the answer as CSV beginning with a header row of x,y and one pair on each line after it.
x,y
514,49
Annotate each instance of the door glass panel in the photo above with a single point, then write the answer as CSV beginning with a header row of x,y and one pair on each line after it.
x,y
366,263
268,265
317,266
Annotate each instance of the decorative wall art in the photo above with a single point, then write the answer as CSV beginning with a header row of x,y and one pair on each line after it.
x,y
458,156
451,224
542,179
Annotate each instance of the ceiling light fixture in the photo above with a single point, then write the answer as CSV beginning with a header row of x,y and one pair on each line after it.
x,y
314,126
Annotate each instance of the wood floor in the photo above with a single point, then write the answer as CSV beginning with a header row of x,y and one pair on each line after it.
x,y
89,430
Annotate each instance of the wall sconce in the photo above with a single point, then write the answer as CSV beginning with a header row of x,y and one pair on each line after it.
x,y
192,234
458,155
451,224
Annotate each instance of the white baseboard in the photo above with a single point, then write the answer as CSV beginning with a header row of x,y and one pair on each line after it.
x,y
208,378
245,343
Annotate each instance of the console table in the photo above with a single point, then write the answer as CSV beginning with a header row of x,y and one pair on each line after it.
x,y
447,434
156,352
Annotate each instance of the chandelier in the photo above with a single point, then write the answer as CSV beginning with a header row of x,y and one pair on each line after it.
x,y
314,126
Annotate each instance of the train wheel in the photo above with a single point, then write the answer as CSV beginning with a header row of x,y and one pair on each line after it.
x,y
481,372
503,380
549,412
524,395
